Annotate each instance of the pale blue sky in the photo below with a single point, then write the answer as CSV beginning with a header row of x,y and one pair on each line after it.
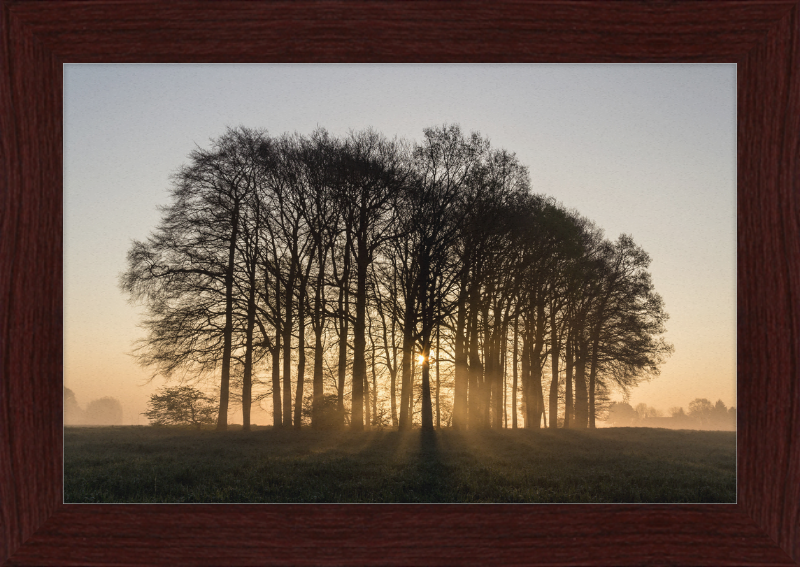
x,y
648,150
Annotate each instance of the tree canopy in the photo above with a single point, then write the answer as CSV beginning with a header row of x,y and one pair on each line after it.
x,y
428,267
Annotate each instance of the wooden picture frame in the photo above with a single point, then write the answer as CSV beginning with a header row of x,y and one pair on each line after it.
x,y
762,38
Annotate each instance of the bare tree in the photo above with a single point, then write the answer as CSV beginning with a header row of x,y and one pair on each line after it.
x,y
375,173
184,272
439,249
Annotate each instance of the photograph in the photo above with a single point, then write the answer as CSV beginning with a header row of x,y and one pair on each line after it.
x,y
400,283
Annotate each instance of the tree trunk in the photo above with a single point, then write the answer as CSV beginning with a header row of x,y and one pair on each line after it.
x,y
568,405
438,384
514,375
505,368
581,399
367,395
426,310
536,380
301,357
344,311
536,365
391,364
461,379
405,384
532,419
287,344
393,396
411,391
488,365
367,401
427,407
595,338
374,420
500,378
554,354
319,325
475,366
277,418
247,378
526,380
317,386
406,364
227,333
393,392
359,336
592,380
497,379
496,385
535,401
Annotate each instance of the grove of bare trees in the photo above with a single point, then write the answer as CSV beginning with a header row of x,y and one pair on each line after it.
x,y
702,415
408,282
101,411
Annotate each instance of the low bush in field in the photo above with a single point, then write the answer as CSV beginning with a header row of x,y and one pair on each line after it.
x,y
329,416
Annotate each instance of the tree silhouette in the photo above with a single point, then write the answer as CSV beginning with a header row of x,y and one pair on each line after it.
x,y
104,411
73,414
181,405
184,273
622,414
436,251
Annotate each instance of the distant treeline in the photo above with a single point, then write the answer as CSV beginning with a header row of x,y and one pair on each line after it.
x,y
102,411
702,414
420,282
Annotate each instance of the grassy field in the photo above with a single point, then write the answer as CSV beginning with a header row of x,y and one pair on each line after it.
x,y
150,464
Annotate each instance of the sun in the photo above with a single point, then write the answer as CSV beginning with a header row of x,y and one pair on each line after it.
x,y
420,358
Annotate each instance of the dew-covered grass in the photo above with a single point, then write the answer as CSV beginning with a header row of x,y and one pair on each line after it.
x,y
156,464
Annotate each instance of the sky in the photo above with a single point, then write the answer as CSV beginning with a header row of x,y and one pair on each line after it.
x,y
642,149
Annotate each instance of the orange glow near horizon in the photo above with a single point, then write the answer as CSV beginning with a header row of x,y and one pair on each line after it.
x,y
644,150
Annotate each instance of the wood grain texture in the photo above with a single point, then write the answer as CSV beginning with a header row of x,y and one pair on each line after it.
x,y
761,37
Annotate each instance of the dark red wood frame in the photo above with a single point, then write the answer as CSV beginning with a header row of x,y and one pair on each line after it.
x,y
761,37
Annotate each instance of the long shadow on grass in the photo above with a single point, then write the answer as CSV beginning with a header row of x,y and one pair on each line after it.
x,y
395,467
428,474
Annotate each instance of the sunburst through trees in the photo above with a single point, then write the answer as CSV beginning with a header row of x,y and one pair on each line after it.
x,y
426,278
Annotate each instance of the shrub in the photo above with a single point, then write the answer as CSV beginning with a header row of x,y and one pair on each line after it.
x,y
329,416
182,405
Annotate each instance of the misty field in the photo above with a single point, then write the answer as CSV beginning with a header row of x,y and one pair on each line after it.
x,y
152,464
